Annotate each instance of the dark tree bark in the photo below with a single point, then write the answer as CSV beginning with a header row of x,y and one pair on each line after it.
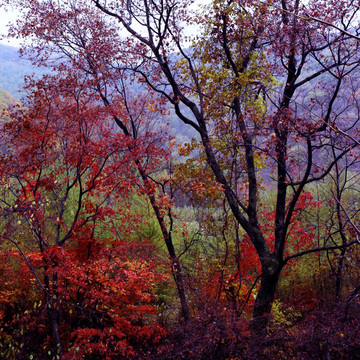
x,y
53,312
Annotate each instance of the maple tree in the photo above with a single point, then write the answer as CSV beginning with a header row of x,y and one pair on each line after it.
x,y
270,92
67,232
93,53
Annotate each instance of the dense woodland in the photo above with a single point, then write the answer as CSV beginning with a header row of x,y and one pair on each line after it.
x,y
182,181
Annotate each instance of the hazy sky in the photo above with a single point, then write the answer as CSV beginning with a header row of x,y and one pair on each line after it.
x,y
8,16
5,18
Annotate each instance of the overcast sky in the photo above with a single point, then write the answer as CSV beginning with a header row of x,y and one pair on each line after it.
x,y
5,18
8,16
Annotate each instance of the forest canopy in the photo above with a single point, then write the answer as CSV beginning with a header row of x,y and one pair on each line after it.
x,y
231,232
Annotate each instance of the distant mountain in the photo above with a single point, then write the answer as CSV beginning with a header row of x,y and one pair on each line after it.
x,y
13,69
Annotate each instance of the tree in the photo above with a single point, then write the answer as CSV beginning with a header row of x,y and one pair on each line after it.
x,y
87,44
257,81
66,228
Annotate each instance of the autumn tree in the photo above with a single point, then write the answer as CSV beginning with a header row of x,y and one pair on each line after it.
x,y
87,44
223,81
67,232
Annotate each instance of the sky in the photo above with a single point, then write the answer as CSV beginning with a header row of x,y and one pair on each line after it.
x,y
8,16
5,18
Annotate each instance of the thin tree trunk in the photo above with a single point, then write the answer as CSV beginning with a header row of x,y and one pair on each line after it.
x,y
179,280
53,313
175,263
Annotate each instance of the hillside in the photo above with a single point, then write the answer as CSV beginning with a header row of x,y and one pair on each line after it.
x,y
6,99
13,69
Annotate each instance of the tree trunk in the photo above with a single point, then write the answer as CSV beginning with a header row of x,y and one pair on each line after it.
x,y
53,313
54,321
261,313
179,280
175,262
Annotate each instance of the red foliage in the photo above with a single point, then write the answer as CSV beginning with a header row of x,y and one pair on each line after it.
x,y
106,303
76,282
